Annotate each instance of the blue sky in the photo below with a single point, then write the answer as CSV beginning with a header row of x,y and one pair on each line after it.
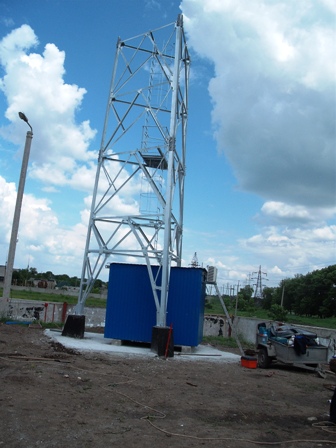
x,y
261,162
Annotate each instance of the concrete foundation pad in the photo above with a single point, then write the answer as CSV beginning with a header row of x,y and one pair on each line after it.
x,y
95,342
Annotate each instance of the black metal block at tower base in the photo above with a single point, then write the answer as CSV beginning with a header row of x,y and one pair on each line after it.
x,y
74,326
163,341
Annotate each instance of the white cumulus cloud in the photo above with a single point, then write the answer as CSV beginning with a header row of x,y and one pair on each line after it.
x,y
273,101
61,158
273,93
34,83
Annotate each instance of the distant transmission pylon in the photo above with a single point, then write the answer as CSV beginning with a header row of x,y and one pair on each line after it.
x,y
258,293
194,262
144,138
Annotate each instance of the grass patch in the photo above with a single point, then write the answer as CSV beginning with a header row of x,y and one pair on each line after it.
x,y
328,322
223,342
51,325
44,325
59,298
215,307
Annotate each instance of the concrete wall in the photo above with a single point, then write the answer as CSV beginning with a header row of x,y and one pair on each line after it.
x,y
214,325
246,328
219,326
28,310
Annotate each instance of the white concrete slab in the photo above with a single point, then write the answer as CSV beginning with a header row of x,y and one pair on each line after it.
x,y
95,342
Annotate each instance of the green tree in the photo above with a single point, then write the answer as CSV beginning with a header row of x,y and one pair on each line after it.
x,y
277,312
269,297
246,292
311,294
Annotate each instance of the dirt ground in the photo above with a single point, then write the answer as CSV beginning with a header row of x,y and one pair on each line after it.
x,y
55,397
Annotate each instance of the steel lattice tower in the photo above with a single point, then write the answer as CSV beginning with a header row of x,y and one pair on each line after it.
x,y
258,293
141,163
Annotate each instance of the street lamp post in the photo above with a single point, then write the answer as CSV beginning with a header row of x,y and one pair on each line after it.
x,y
4,301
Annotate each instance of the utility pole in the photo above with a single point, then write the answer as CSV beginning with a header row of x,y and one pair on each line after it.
x,y
236,307
283,293
4,301
248,280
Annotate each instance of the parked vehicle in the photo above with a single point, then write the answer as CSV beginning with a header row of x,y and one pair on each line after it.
x,y
290,345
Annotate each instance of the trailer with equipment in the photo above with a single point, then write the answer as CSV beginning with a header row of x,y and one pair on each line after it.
x,y
290,345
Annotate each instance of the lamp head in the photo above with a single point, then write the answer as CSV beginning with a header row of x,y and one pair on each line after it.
x,y
23,117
